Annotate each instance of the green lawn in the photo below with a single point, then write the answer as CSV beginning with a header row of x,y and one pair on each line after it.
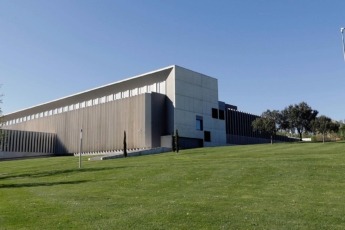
x,y
281,186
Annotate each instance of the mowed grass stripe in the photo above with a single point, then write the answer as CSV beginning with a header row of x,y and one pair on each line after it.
x,y
280,186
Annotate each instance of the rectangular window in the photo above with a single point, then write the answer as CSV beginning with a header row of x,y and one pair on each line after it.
x,y
207,136
134,92
125,94
199,123
111,97
221,115
118,96
214,113
102,99
143,89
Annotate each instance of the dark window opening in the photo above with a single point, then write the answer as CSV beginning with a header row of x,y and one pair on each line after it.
x,y
214,113
221,115
207,136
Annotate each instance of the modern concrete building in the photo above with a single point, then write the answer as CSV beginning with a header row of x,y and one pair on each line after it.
x,y
149,107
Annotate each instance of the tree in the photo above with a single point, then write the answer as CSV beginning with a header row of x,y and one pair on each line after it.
x,y
341,131
267,123
324,125
1,131
173,144
124,145
177,141
299,117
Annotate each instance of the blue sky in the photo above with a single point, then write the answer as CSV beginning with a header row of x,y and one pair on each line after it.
x,y
266,54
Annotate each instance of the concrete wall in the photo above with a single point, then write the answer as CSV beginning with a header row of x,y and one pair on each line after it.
x,y
12,155
23,141
103,125
196,94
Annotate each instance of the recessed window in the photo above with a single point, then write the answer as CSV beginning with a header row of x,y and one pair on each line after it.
x,y
214,113
207,136
111,97
103,99
199,123
221,115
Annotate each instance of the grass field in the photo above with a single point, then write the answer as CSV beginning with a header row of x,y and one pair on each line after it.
x,y
281,186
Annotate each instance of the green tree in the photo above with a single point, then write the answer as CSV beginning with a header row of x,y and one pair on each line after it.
x,y
1,132
177,141
324,125
267,123
124,144
298,117
173,144
341,131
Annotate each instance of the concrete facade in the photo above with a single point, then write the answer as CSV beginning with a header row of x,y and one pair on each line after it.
x,y
17,144
149,107
196,94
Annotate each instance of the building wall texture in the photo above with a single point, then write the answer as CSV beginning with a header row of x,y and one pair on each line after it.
x,y
103,125
15,143
195,95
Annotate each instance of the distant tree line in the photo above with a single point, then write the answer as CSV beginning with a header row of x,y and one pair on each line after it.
x,y
300,118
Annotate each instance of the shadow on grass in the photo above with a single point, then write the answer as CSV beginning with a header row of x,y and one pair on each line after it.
x,y
41,184
58,172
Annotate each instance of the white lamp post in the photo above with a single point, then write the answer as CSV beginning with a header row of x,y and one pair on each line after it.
x,y
342,36
81,146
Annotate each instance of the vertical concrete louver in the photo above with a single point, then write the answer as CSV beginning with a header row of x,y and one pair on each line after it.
x,y
103,126
16,143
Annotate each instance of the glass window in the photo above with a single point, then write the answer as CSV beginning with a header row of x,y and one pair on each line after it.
x,y
111,97
134,92
103,99
199,123
118,96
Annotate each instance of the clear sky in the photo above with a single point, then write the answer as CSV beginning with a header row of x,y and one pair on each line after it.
x,y
266,54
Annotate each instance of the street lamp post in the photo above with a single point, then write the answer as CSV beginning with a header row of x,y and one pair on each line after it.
x,y
342,36
80,146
